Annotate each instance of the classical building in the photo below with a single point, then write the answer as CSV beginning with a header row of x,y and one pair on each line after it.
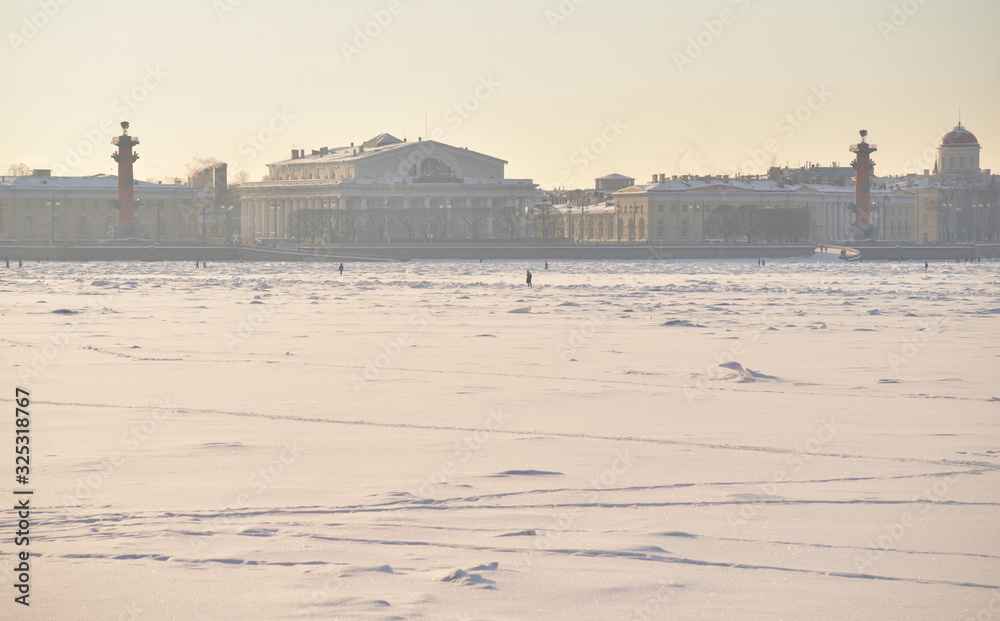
x,y
689,209
958,153
613,183
387,189
43,208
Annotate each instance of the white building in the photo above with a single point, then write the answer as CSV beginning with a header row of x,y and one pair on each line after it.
x,y
387,189
41,207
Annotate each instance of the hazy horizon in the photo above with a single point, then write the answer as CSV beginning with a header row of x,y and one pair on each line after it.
x,y
661,87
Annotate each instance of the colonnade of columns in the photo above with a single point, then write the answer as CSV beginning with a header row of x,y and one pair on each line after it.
x,y
265,218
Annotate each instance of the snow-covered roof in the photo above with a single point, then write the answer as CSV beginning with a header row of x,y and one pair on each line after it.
x,y
92,182
383,143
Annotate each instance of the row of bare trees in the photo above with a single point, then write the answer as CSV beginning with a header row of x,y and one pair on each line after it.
x,y
411,225
750,222
968,209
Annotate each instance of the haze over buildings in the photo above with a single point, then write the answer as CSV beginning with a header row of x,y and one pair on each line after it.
x,y
564,91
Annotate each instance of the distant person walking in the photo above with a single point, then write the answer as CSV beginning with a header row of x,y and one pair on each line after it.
x,y
8,262
546,265
19,262
341,268
528,278
925,266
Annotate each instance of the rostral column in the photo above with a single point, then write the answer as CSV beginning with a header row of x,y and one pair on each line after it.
x,y
863,170
126,184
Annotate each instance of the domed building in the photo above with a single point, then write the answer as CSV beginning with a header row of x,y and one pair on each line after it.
x,y
958,153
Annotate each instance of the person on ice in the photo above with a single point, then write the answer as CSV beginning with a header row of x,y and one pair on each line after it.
x,y
546,265
528,278
341,268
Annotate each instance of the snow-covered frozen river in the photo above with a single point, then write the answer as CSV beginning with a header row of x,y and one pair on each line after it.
x,y
436,440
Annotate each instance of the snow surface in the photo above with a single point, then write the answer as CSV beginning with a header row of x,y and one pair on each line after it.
x,y
277,441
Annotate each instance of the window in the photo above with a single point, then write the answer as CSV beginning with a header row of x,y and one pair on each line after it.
x,y
161,227
661,208
961,162
81,227
673,209
97,204
28,225
684,228
660,227
27,204
951,162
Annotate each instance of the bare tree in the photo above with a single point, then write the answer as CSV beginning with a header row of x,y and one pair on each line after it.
x,y
19,170
722,222
475,221
240,178
546,220
378,221
506,217
748,220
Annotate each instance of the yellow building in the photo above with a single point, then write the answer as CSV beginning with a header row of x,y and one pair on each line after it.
x,y
43,208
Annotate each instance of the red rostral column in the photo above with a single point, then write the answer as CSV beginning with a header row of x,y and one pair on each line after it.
x,y
863,168
126,185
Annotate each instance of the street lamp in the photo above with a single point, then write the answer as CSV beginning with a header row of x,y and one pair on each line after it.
x,y
52,219
274,210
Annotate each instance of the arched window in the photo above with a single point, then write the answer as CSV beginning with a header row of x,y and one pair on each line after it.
x,y
684,228
161,227
28,227
109,225
642,228
81,227
660,227
57,228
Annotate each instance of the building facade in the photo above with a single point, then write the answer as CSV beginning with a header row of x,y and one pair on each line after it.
x,y
43,208
385,190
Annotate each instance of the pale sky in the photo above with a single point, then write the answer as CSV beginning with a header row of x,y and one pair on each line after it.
x,y
564,90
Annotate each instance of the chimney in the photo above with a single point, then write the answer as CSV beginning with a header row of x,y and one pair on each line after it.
x,y
295,154
41,172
